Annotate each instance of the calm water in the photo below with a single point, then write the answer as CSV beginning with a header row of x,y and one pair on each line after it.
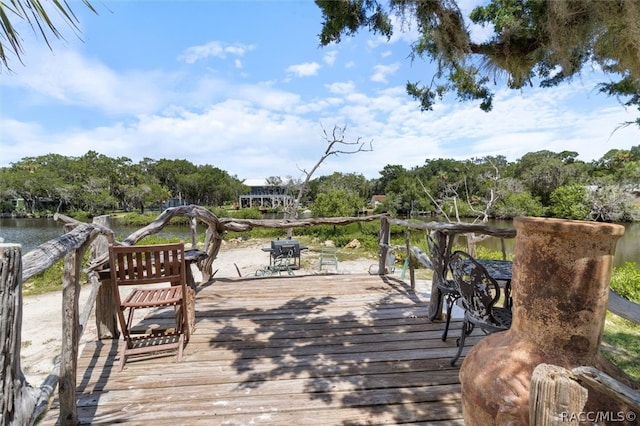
x,y
627,249
32,232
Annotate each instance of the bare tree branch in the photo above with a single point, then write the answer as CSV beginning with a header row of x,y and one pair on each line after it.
x,y
335,142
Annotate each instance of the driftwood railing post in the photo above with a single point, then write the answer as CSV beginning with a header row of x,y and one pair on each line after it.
x,y
412,277
106,323
18,398
555,397
385,240
70,336
445,242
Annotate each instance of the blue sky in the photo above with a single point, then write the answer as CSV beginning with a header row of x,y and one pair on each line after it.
x,y
244,86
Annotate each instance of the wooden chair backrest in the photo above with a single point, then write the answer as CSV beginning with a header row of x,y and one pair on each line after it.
x,y
149,264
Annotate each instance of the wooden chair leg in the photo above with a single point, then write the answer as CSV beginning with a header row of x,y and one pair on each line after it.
x,y
180,347
123,348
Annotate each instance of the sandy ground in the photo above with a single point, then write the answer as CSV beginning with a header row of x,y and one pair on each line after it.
x,y
42,314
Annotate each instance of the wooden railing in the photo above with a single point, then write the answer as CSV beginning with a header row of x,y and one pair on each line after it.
x,y
22,403
444,234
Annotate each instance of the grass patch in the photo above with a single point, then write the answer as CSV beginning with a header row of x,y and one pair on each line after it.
x,y
48,280
621,344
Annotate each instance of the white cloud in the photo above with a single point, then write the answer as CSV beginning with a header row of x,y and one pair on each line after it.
x,y
257,129
214,49
477,32
341,88
381,72
330,57
71,79
304,70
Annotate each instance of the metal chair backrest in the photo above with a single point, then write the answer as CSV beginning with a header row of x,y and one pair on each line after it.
x,y
478,290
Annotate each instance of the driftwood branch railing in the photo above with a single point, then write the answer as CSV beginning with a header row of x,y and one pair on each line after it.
x,y
445,235
21,403
216,229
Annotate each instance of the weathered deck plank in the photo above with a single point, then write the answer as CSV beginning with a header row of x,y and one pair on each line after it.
x,y
302,350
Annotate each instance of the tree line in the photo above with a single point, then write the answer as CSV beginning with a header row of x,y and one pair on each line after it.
x,y
542,183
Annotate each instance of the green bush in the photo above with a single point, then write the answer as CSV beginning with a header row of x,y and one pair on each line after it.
x,y
485,253
252,213
81,216
625,281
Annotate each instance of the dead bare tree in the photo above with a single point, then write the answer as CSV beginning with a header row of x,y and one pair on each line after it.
x,y
482,215
336,145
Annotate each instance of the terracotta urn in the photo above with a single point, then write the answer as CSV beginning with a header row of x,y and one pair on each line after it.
x,y
560,288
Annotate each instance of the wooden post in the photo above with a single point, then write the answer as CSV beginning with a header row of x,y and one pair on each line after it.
x,y
436,303
106,322
385,239
407,241
555,398
70,337
17,397
194,226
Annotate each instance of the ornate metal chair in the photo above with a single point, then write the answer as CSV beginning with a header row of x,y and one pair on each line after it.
x,y
447,288
479,293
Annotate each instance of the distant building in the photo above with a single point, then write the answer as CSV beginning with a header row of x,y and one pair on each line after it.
x,y
376,200
18,204
173,202
264,196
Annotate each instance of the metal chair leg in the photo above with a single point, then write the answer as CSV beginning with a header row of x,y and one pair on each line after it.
x,y
467,328
446,326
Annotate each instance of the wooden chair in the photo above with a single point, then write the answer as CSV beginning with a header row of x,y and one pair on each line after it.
x,y
155,277
479,293
447,288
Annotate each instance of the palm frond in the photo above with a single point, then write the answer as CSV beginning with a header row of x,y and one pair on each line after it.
x,y
34,13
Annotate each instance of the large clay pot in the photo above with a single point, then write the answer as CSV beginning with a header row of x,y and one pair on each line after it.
x,y
561,275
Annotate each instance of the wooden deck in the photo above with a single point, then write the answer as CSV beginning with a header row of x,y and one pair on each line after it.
x,y
312,350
